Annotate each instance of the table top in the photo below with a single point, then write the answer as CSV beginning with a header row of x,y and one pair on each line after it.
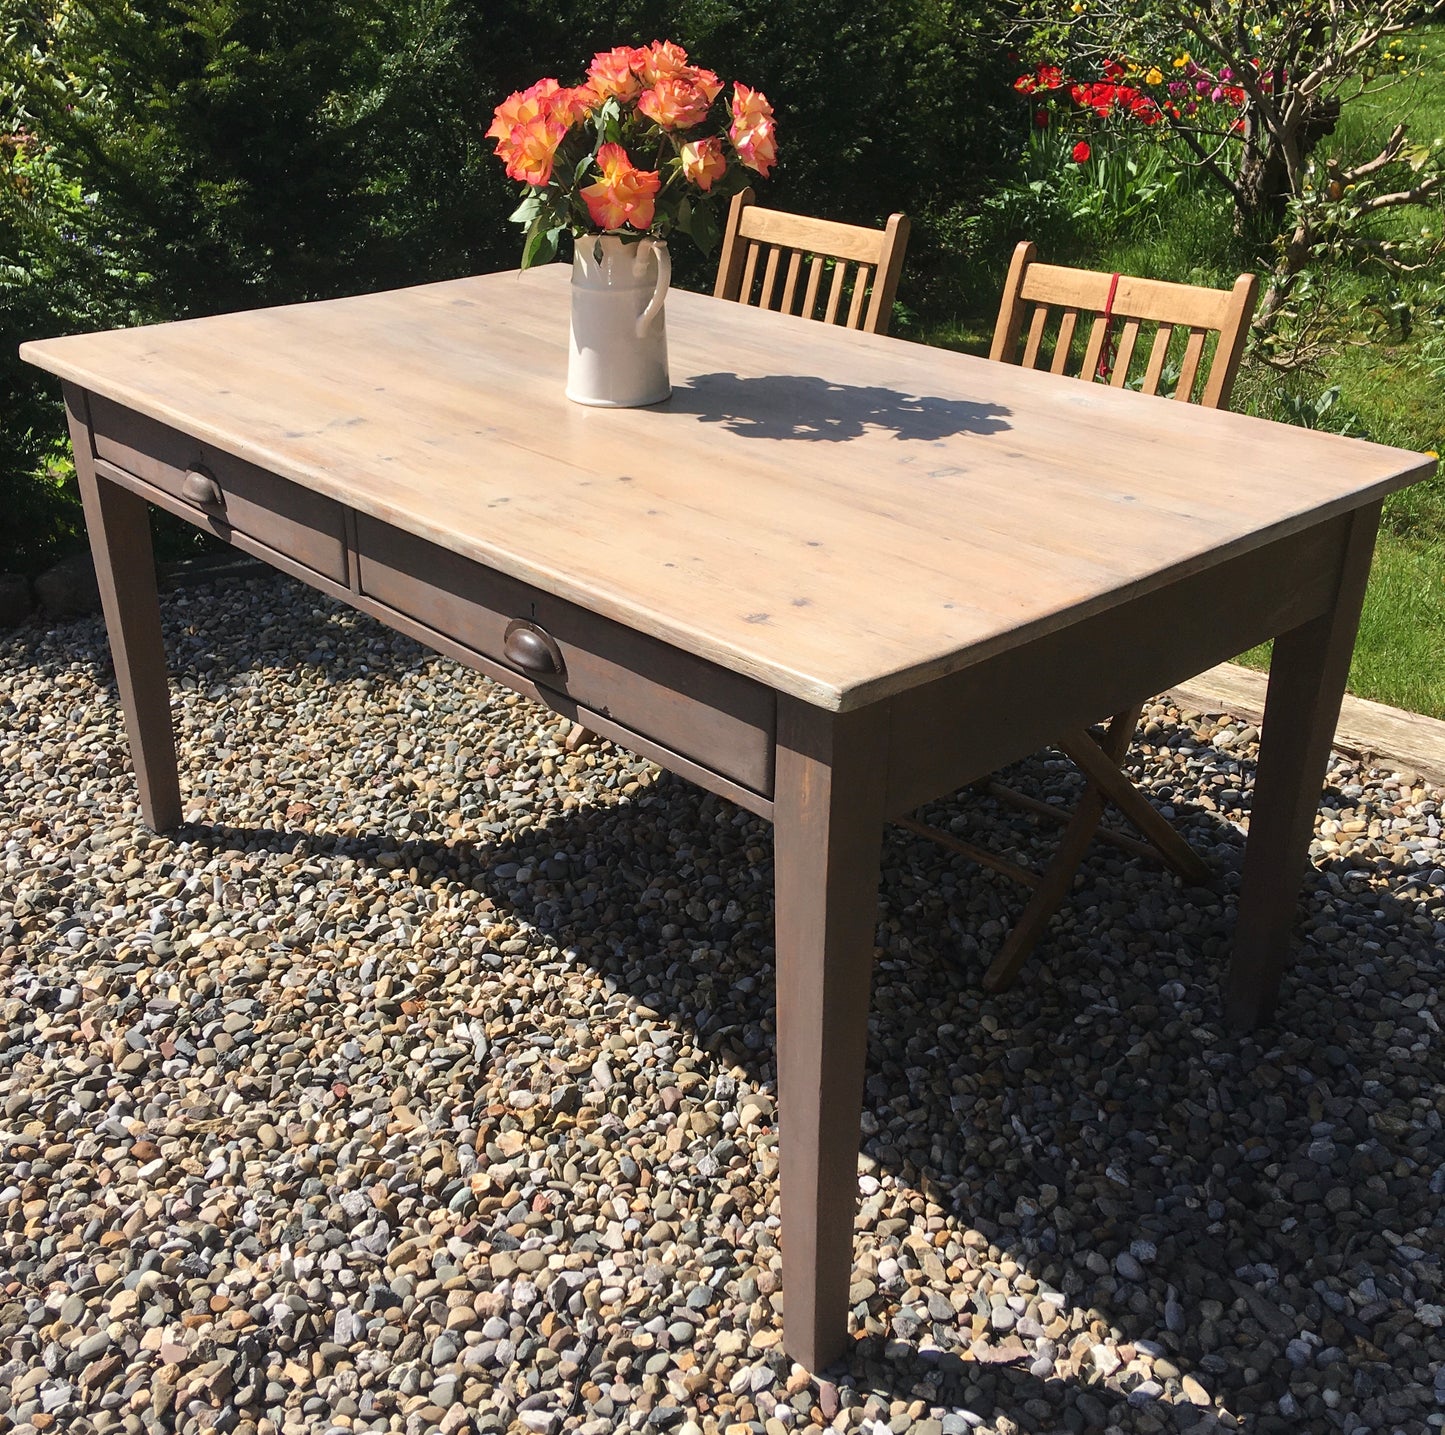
x,y
840,515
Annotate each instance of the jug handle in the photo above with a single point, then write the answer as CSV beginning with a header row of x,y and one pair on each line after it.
x,y
659,292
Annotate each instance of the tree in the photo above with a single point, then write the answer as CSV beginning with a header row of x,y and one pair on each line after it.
x,y
1252,89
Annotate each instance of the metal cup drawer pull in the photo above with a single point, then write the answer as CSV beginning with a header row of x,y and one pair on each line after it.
x,y
532,649
199,487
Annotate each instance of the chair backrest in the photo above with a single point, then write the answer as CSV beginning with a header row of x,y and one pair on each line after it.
x,y
759,244
1119,308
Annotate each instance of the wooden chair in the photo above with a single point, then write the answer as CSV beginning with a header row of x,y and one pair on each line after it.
x,y
761,245
1090,325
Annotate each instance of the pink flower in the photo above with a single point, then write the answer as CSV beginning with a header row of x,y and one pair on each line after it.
x,y
752,131
704,163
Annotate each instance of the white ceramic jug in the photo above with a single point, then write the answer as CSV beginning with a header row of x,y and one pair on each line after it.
x,y
618,352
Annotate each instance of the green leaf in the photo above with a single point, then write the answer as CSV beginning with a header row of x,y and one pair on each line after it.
x,y
527,211
704,229
541,245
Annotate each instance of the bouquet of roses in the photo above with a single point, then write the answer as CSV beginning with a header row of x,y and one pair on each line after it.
x,y
642,147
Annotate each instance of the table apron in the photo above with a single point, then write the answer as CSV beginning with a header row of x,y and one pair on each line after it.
x,y
602,724
957,729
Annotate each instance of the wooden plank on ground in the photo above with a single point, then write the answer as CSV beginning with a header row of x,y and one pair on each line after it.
x,y
1411,742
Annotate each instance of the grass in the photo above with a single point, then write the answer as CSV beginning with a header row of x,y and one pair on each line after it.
x,y
1388,388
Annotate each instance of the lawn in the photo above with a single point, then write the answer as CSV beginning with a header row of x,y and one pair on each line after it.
x,y
1383,379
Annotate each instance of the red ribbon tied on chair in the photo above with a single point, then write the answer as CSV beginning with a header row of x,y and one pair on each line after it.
x,y
1106,353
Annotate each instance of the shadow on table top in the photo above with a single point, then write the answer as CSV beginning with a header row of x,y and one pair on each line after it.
x,y
784,406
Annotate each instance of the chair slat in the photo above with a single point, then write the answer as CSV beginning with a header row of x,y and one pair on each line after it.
x,y
1094,349
1065,341
750,269
790,286
1036,336
1156,358
815,277
860,293
770,278
1192,352
1147,299
1124,355
835,294
813,236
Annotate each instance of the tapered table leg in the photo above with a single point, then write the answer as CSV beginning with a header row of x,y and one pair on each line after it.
x,y
828,819
1307,676
120,541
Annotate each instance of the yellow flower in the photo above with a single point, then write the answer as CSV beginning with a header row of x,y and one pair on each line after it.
x,y
1182,60
1155,76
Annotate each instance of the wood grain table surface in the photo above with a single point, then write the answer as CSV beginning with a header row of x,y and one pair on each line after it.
x,y
840,515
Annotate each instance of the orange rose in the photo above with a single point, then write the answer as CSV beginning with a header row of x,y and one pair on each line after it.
x,y
705,81
674,104
624,194
572,106
521,108
532,147
661,60
704,163
611,74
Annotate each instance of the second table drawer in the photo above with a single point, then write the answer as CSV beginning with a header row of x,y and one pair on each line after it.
x,y
705,713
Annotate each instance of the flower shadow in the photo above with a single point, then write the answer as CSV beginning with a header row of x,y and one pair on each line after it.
x,y
798,406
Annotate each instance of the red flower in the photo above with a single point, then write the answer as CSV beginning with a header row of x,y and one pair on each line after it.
x,y
1041,119
1050,77
1081,152
1025,84
1099,97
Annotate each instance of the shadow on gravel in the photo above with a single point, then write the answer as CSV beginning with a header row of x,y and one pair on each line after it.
x,y
1261,1211
1191,1188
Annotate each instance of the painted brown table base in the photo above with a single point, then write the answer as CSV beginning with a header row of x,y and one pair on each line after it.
x,y
827,638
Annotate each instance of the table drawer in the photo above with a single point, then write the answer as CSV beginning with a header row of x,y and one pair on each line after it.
x,y
714,717
224,492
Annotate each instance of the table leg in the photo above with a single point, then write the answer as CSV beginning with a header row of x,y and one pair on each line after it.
x,y
828,823
1307,676
120,542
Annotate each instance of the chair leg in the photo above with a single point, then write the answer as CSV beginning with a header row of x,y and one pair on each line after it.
x,y
1101,770
1058,877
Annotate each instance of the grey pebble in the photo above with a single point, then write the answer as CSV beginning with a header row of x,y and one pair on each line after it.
x,y
437,1058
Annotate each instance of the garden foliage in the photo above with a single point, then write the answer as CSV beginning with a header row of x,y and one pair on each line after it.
x,y
1251,95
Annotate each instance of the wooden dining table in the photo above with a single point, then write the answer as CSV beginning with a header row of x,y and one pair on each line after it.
x,y
832,577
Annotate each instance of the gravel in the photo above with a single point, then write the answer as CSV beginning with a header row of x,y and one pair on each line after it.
x,y
423,1082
